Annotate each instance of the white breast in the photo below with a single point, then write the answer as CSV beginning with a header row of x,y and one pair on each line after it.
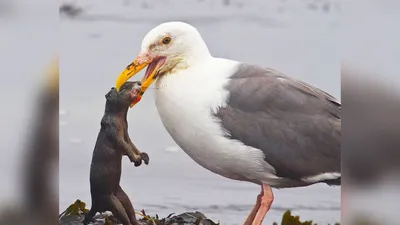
x,y
185,102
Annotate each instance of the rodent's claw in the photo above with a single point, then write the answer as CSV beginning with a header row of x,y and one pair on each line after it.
x,y
137,163
145,157
136,160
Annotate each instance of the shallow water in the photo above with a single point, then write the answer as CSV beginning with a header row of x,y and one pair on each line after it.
x,y
96,47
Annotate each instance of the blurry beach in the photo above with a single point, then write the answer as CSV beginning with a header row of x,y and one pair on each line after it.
x,y
299,38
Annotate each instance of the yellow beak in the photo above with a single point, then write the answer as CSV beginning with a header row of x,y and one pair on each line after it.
x,y
140,63
129,72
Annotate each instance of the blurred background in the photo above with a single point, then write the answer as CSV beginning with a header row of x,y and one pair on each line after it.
x,y
312,40
370,50
29,112
98,40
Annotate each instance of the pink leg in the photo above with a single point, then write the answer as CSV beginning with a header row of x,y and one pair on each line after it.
x,y
266,200
253,212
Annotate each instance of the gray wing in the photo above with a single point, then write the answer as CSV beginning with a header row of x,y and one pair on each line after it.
x,y
297,126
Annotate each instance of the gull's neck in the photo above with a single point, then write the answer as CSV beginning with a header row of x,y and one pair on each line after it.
x,y
197,54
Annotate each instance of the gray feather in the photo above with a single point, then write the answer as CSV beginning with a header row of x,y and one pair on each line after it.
x,y
297,126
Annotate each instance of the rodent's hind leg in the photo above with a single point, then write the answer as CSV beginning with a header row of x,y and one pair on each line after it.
x,y
126,203
118,210
89,216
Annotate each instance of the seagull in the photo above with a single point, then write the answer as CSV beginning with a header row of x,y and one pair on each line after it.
x,y
239,120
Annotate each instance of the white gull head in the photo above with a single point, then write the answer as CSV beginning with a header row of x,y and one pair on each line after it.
x,y
180,43
168,48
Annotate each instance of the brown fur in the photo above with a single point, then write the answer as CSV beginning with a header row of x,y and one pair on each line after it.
x,y
113,142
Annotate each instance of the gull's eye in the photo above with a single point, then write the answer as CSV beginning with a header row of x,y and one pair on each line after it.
x,y
166,40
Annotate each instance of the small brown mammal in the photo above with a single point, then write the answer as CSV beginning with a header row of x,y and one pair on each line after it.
x,y
112,143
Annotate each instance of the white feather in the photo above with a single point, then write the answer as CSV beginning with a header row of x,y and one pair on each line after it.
x,y
321,177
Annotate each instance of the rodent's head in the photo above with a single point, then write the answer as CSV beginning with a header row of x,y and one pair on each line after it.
x,y
129,94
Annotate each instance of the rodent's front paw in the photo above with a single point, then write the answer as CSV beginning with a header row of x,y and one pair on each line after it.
x,y
145,157
138,163
136,160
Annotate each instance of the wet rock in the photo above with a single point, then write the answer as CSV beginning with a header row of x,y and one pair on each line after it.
x,y
188,218
75,214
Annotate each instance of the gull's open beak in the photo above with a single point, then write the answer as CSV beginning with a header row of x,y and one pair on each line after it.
x,y
152,72
154,64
